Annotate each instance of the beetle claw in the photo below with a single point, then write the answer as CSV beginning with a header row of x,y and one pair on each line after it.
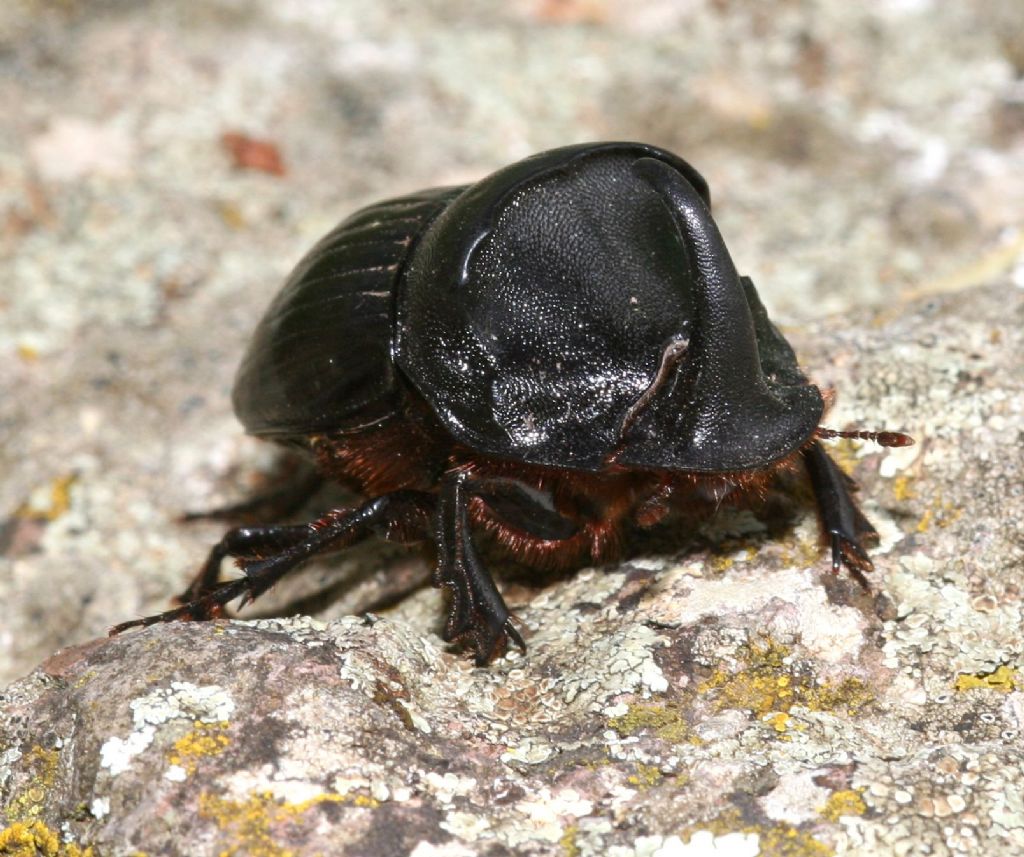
x,y
209,606
493,638
515,636
489,634
179,614
850,553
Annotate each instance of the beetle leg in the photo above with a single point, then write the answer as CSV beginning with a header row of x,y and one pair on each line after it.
x,y
478,610
842,520
524,507
403,514
246,542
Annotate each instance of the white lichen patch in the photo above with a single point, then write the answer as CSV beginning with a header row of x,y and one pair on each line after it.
x,y
116,753
889,533
529,751
465,825
241,785
7,759
176,774
344,784
829,632
446,787
941,621
305,629
181,700
447,849
415,718
703,843
796,798
544,816
895,460
100,807
613,664
207,704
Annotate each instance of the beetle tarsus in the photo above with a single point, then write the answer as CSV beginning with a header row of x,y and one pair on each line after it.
x,y
513,634
241,542
205,599
210,606
478,612
841,519
850,553
488,633
493,639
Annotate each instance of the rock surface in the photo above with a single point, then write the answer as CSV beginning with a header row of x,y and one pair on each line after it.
x,y
163,165
727,696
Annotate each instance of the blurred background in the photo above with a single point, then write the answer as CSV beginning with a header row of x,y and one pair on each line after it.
x,y
164,164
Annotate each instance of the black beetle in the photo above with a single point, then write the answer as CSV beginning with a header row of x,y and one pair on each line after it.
x,y
549,355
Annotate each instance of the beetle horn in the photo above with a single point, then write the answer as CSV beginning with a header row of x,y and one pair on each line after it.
x,y
724,333
726,415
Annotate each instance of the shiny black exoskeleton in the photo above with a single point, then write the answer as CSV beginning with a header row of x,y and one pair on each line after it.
x,y
550,355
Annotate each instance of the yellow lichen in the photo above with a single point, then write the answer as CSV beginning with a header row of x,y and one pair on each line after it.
x,y
232,215
845,454
568,841
681,780
29,804
778,840
28,353
55,504
767,684
204,740
941,513
364,801
35,839
801,552
645,776
1003,678
720,563
87,677
902,488
26,834
783,840
845,802
251,822
663,720
27,840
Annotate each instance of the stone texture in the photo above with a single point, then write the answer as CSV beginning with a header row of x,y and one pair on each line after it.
x,y
733,694
717,690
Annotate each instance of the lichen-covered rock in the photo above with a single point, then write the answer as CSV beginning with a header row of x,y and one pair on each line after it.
x,y
161,173
162,165
731,696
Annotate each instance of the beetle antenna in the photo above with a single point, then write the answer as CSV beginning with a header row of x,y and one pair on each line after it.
x,y
882,438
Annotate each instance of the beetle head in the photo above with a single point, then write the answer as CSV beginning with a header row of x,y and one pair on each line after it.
x,y
710,408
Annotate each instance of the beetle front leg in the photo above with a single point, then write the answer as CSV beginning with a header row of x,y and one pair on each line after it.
x,y
841,519
242,542
403,515
478,611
